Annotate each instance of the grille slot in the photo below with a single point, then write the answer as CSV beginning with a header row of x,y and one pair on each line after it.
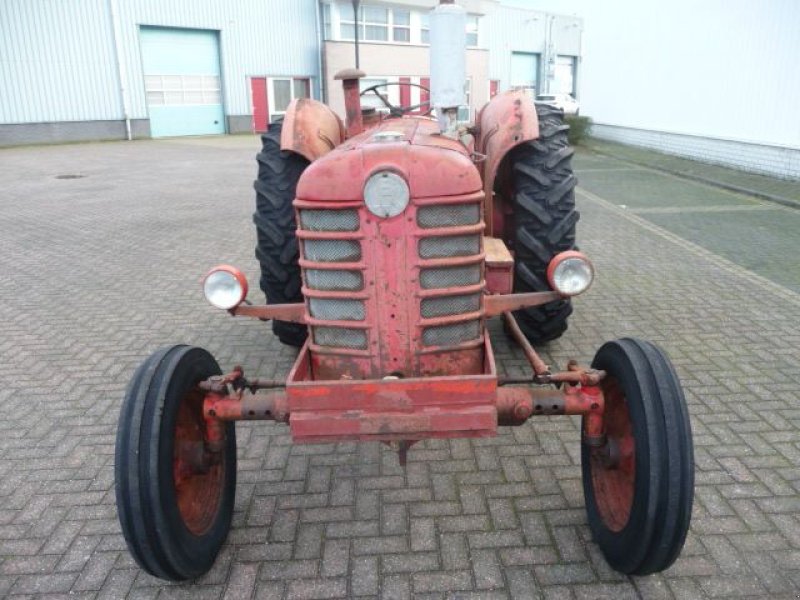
x,y
445,277
450,305
445,215
449,246
334,280
332,250
340,337
336,309
450,335
329,220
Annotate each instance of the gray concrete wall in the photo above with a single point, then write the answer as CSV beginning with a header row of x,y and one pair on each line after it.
x,y
19,134
780,161
240,123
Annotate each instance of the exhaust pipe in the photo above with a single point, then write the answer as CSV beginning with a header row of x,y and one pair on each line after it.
x,y
448,63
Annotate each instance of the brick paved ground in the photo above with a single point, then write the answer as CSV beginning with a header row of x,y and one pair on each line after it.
x,y
99,271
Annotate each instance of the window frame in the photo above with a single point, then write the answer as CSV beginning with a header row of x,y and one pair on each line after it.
x,y
392,26
363,23
156,94
476,32
271,104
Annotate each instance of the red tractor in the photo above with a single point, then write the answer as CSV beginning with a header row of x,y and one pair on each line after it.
x,y
386,243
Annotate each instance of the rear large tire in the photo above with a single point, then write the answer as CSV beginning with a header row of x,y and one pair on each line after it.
x,y
174,492
276,249
545,218
639,496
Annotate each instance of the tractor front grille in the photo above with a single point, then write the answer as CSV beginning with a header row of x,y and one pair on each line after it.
x,y
446,215
334,280
361,275
332,250
329,287
329,220
340,337
336,309
445,277
449,246
450,290
450,335
450,305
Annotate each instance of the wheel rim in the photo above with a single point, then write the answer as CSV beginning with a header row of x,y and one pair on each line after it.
x,y
614,481
198,474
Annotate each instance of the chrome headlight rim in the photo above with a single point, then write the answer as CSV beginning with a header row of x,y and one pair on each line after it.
x,y
565,271
225,287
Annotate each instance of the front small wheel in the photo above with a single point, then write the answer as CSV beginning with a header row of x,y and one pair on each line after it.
x,y
175,483
639,488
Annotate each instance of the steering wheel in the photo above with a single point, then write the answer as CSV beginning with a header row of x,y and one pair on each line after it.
x,y
399,111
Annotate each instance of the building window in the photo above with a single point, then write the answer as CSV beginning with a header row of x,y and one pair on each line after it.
x,y
401,26
525,71
565,75
376,24
326,21
373,23
472,30
170,90
282,90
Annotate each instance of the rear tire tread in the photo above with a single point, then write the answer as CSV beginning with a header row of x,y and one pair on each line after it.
x,y
545,219
277,250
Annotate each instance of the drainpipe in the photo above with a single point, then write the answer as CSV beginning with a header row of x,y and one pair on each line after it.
x,y
121,73
323,91
356,6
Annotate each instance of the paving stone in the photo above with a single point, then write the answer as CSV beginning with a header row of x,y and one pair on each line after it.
x,y
364,576
242,581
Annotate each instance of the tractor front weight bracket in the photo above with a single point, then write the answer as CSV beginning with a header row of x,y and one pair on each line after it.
x,y
232,398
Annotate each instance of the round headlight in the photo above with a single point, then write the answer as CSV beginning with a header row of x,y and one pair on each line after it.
x,y
570,273
386,194
225,287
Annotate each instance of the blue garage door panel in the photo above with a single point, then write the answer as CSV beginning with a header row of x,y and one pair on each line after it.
x,y
182,81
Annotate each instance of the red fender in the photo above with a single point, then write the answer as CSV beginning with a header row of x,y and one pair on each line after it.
x,y
508,120
311,129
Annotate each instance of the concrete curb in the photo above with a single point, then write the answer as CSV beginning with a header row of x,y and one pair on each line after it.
x,y
715,182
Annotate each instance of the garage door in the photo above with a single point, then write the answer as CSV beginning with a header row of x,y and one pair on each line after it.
x,y
525,71
182,81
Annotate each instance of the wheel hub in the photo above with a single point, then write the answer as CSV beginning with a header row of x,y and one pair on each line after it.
x,y
613,465
198,473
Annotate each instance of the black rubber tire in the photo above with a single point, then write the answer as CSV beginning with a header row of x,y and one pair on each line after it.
x,y
147,507
276,246
544,220
663,488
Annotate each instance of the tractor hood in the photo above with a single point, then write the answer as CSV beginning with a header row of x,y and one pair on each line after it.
x,y
433,165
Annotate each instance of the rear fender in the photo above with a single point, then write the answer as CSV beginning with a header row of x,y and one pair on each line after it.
x,y
311,129
508,120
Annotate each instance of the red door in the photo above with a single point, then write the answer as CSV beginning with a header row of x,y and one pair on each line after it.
x,y
258,87
424,97
405,91
494,84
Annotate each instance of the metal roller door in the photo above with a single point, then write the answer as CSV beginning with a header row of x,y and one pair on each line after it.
x,y
182,81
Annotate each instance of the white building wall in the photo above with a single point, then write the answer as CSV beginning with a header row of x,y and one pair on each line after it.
x,y
57,62
689,70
